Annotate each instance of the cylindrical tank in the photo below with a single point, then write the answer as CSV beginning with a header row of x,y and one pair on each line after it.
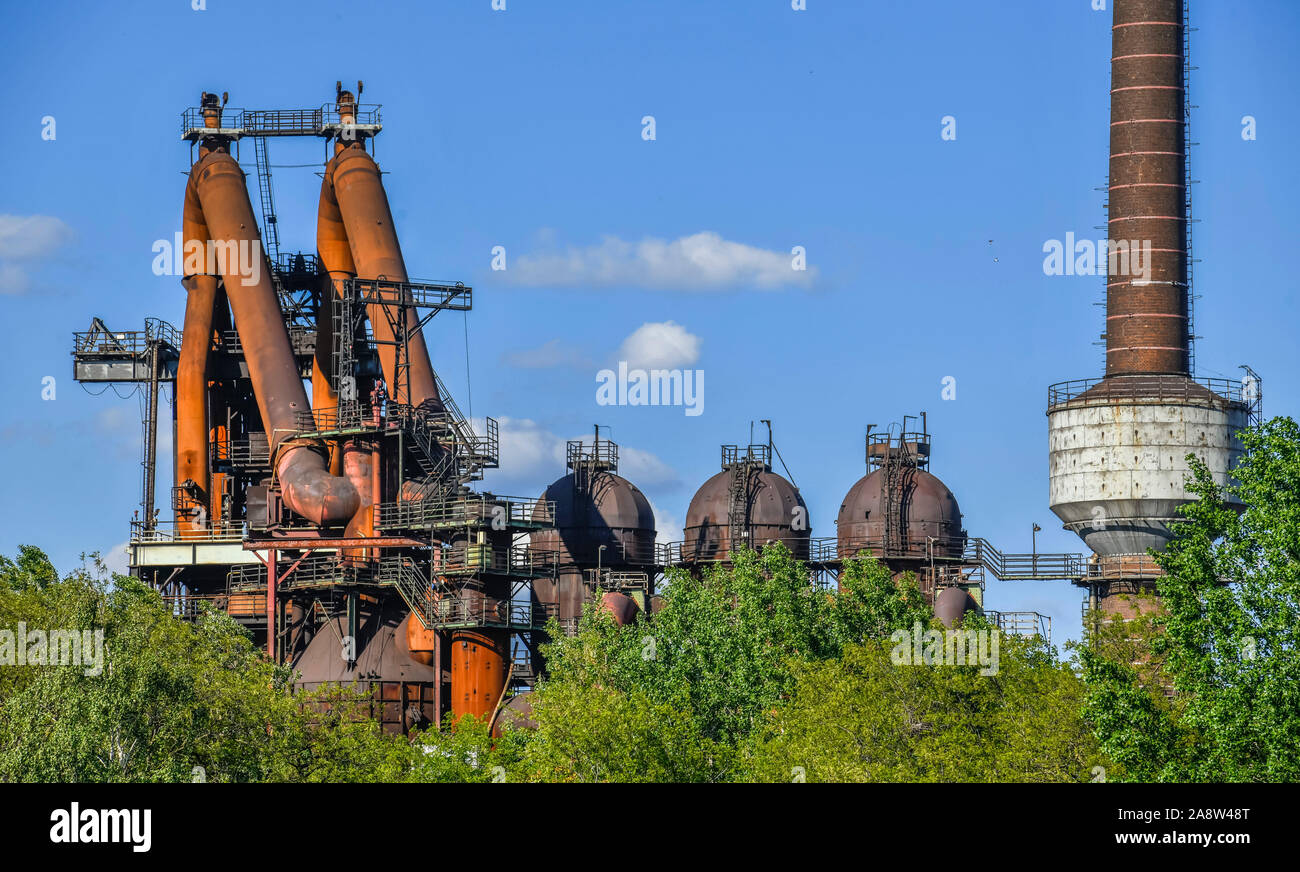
x,y
621,606
774,512
927,511
421,641
1118,458
479,665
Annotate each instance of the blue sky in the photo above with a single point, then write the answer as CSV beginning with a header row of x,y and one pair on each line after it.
x,y
774,128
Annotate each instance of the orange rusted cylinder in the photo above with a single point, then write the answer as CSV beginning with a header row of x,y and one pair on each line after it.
x,y
192,398
308,488
353,193
323,393
421,641
479,664
359,468
336,261
192,461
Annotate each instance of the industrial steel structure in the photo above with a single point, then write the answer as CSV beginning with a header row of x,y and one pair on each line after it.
x,y
344,531
341,529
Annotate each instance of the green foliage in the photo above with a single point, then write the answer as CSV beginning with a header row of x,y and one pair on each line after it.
x,y
173,701
720,651
753,673
863,718
746,673
32,569
1224,704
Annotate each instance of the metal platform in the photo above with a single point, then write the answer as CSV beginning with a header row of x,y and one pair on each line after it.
x,y
322,121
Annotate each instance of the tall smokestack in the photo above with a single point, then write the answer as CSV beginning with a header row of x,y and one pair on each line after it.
x,y
1147,324
1118,447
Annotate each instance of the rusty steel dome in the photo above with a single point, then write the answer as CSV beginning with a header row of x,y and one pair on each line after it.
x,y
604,509
593,507
927,509
749,498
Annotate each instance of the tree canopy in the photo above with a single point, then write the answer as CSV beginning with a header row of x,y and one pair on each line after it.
x,y
1219,697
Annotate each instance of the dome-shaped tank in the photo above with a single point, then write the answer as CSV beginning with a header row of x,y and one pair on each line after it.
x,y
594,506
769,509
606,510
926,510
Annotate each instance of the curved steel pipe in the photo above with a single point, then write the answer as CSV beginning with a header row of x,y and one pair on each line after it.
x,y
307,486
192,462
355,233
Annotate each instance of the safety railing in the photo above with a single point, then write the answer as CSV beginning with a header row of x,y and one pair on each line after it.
x,y
302,339
170,532
102,341
602,453
608,579
706,549
345,416
451,610
325,570
479,509
294,262
1025,567
454,296
442,605
1022,623
243,453
515,560
189,607
321,121
732,454
1160,388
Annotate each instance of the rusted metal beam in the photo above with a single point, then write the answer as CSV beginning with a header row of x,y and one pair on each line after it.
x,y
342,542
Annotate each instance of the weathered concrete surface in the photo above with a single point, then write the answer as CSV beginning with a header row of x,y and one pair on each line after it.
x,y
1117,467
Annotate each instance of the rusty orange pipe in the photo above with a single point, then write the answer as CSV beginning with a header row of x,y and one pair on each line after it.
x,y
336,260
192,462
354,209
308,488
359,465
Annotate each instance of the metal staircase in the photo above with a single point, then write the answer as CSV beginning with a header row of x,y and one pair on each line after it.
x,y
738,506
413,586
270,229
898,464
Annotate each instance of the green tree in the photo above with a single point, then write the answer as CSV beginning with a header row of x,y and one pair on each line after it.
x,y
721,649
862,717
1228,641
173,700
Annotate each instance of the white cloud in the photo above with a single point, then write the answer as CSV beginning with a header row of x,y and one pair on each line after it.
x,y
531,456
660,345
553,354
24,239
701,261
645,469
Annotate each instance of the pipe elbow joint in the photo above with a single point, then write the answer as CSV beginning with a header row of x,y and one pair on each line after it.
x,y
310,490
